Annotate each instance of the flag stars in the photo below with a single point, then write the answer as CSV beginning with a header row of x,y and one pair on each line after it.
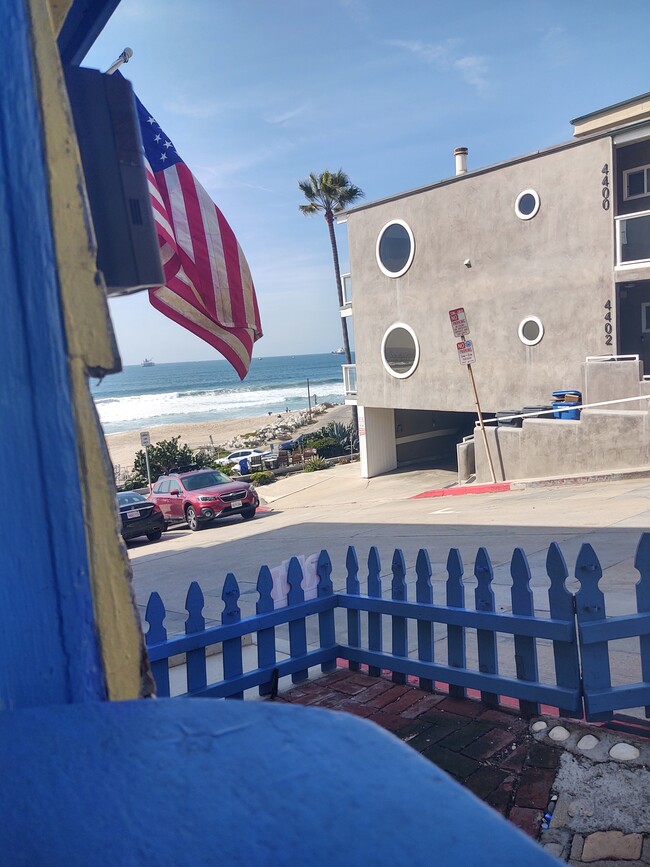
x,y
151,120
163,156
167,144
157,137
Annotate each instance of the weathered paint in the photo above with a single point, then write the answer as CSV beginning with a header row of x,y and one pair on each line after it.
x,y
90,347
194,781
47,631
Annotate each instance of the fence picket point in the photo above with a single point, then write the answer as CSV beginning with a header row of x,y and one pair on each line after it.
x,y
233,665
157,634
424,596
197,675
590,608
486,640
399,624
374,620
561,607
297,628
353,587
326,627
525,646
266,653
455,590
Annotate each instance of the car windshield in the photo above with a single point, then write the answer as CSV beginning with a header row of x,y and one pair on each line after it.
x,y
130,498
204,480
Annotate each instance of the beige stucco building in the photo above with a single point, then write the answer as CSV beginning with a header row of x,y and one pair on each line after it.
x,y
549,255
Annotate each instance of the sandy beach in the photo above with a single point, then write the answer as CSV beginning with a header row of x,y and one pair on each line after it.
x,y
123,447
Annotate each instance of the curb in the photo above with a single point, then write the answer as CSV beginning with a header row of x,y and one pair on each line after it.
x,y
525,484
494,488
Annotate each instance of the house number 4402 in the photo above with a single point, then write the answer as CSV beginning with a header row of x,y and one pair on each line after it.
x,y
605,187
608,323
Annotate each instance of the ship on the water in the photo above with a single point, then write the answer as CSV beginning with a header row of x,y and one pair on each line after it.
x,y
339,351
147,362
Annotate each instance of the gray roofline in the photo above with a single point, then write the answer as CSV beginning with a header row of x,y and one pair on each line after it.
x,y
609,108
494,167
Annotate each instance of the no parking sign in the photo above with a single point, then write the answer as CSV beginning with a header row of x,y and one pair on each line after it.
x,y
466,352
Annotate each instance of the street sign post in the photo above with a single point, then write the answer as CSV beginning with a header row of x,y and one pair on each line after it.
x,y
145,441
466,356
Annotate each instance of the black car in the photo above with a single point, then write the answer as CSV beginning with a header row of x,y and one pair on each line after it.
x,y
292,445
139,517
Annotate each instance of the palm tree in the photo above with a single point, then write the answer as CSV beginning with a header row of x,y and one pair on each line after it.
x,y
329,193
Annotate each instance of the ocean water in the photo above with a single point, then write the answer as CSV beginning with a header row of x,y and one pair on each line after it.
x,y
196,391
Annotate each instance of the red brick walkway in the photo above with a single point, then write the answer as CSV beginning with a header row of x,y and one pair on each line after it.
x,y
489,751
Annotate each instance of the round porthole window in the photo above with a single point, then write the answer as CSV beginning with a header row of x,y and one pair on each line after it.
x,y
531,330
395,248
527,204
400,350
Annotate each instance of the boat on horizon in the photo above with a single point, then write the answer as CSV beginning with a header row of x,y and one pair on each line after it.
x,y
147,362
339,351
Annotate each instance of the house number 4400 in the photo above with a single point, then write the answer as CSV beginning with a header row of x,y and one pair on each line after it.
x,y
605,187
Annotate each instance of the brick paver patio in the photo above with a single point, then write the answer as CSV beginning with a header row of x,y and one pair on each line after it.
x,y
488,750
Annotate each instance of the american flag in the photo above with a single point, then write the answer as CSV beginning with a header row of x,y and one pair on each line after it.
x,y
208,285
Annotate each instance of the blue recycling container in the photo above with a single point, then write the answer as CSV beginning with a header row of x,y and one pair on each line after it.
x,y
563,409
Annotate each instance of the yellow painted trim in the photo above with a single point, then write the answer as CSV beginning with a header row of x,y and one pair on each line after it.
x,y
58,10
91,345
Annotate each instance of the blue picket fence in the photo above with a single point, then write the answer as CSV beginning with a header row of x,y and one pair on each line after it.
x,y
575,634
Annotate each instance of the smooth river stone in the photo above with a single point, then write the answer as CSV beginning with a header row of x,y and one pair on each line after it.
x,y
624,752
588,742
559,733
538,726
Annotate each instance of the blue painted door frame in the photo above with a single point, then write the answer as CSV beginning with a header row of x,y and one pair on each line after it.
x,y
48,645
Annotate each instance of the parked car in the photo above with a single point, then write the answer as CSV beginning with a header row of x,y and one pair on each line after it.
x,y
292,445
235,457
139,516
201,496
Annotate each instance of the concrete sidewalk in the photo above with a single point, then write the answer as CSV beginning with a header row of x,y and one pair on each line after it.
x,y
600,776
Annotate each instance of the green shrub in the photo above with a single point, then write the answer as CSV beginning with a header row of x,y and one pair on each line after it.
x,y
166,456
264,477
327,447
315,464
343,435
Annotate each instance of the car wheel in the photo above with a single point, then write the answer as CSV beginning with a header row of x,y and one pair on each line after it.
x,y
165,526
248,514
192,519
155,536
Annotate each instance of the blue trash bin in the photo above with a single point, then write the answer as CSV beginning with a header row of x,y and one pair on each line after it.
x,y
562,408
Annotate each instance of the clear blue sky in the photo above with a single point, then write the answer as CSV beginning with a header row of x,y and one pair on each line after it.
x,y
256,94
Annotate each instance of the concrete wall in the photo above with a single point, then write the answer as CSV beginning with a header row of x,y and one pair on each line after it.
x,y
612,380
557,266
601,440
378,453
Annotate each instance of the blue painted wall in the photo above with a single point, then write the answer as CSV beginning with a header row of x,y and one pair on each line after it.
x,y
48,645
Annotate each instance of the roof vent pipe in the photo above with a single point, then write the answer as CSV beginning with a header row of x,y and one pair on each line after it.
x,y
461,160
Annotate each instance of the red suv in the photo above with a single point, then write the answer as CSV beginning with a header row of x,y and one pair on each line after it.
x,y
201,496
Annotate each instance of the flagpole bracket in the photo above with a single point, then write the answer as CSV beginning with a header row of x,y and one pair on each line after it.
x,y
124,57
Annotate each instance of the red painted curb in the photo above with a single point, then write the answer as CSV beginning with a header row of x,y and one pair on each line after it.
x,y
493,488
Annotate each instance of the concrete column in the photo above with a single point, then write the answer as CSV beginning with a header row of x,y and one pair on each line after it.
x,y
377,447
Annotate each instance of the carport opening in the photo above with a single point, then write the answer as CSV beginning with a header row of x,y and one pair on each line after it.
x,y
428,438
